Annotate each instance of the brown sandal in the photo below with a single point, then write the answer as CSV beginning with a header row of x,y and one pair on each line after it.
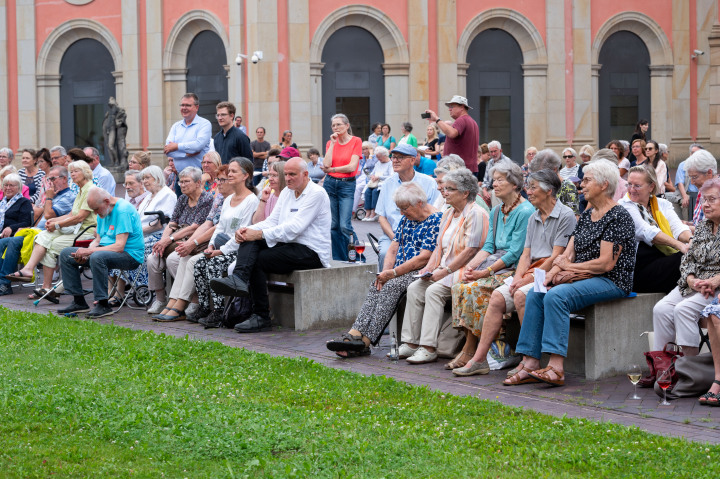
x,y
458,362
515,379
542,375
516,369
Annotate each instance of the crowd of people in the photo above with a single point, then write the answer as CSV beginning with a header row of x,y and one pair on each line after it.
x,y
462,225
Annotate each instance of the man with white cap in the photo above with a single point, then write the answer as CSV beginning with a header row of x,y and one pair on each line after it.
x,y
462,136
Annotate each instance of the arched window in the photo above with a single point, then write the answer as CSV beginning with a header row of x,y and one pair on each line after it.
x,y
353,81
206,76
623,86
86,84
495,90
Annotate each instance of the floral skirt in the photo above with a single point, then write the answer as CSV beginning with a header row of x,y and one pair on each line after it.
x,y
470,301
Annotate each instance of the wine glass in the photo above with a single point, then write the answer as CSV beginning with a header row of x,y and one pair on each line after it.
x,y
360,249
664,380
634,372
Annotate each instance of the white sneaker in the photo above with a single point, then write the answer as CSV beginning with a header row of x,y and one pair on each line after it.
x,y
156,307
191,309
422,356
405,351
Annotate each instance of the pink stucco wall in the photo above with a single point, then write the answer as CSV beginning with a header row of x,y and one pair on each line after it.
x,y
659,10
396,10
533,10
172,11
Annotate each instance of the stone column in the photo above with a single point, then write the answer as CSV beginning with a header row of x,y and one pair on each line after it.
x,y
48,97
127,83
236,41
448,69
679,101
714,87
535,89
584,133
27,99
262,28
419,73
706,15
661,118
175,86
4,123
300,80
555,92
316,103
159,116
462,73
397,86
595,81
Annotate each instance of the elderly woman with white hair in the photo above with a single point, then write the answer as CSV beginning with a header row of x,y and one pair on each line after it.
x,y
6,157
60,232
447,164
571,165
414,241
494,262
463,229
601,250
700,167
381,172
15,212
11,170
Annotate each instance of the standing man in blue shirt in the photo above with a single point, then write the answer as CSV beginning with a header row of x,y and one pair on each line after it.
x,y
189,139
230,141
105,179
118,244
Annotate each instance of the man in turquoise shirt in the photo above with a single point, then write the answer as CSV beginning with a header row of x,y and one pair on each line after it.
x,y
118,244
424,165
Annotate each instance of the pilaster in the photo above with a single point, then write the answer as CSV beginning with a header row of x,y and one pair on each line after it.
x,y
27,99
300,79
162,109
262,77
127,83
4,114
419,72
555,91
447,35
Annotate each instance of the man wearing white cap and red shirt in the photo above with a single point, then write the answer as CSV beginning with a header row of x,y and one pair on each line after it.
x,y
462,136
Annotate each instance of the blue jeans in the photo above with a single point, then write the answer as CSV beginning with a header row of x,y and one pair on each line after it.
x,y
11,246
100,263
546,325
371,198
341,202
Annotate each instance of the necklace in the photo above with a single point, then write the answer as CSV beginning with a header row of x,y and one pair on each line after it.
x,y
512,206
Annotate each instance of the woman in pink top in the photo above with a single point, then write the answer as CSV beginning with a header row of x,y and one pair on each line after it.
x,y
269,195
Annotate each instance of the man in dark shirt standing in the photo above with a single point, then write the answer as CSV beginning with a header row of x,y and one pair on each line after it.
x,y
462,135
230,141
260,149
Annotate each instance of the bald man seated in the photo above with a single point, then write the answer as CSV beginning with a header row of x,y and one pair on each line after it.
x,y
295,236
118,244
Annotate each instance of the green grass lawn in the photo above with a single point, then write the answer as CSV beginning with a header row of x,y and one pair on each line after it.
x,y
78,399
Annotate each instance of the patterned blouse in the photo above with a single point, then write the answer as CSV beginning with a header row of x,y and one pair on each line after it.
x,y
616,227
415,236
216,209
35,183
702,259
568,195
185,215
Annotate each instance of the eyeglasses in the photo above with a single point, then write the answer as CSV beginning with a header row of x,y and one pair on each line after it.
x,y
222,180
448,188
185,105
710,200
568,156
399,158
634,187
53,178
221,115
185,182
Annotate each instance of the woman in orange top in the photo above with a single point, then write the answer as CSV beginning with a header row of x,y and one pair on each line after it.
x,y
341,162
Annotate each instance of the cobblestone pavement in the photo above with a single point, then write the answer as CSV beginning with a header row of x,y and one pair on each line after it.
x,y
604,400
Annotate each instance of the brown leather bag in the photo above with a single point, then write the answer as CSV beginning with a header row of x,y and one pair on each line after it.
x,y
532,267
570,277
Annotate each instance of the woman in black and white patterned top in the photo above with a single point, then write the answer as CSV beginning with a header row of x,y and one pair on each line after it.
x,y
602,245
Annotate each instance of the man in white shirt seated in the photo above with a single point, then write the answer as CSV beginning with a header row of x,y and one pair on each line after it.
x,y
295,236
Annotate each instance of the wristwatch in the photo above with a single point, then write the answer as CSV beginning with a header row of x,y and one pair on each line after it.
x,y
196,243
448,269
172,238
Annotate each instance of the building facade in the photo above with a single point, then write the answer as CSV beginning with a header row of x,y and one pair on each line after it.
x,y
548,73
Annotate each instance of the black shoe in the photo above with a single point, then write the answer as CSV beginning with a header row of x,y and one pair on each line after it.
x,y
5,290
254,324
214,320
75,308
230,286
99,311
198,315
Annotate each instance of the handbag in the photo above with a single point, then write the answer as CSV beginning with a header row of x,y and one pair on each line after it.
x,y
536,264
450,340
658,361
693,376
563,277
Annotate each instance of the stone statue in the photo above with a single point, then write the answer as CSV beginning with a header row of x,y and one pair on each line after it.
x,y
114,131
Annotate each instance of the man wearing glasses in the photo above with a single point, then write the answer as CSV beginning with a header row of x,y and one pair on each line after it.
x,y
230,141
403,162
189,138
59,198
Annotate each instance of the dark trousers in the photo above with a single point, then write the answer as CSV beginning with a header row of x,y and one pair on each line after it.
x,y
255,259
655,272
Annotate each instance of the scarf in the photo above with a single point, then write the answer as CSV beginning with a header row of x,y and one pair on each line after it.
x,y
5,205
655,217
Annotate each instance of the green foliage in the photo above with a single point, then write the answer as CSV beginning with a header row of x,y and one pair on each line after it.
x,y
79,399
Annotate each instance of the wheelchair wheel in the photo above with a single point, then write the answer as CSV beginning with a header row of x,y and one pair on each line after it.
x,y
142,296
360,213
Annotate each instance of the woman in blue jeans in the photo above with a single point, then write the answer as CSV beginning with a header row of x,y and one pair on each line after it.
x,y
341,164
602,245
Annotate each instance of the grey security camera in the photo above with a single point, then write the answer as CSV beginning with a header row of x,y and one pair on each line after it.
x,y
698,52
238,60
255,59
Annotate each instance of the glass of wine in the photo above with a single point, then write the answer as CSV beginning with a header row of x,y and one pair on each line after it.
x,y
664,380
634,372
360,249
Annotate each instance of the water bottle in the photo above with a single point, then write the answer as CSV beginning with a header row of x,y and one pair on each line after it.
x,y
394,352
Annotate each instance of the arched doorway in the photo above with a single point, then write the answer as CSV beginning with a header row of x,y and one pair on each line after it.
x,y
623,86
86,84
352,80
495,90
206,75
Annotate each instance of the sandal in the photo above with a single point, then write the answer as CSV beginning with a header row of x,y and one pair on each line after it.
x,y
516,369
166,318
347,342
115,302
516,380
353,354
16,276
542,375
710,398
53,297
458,361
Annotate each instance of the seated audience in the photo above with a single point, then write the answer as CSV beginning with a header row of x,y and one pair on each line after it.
x,y
662,237
30,174
171,175
623,163
494,263
190,212
700,167
381,172
6,157
315,166
44,163
139,160
548,231
367,163
15,213
447,164
571,166
585,154
463,230
603,246
270,193
295,236
211,163
11,170
568,193
118,244
675,317
61,231
415,240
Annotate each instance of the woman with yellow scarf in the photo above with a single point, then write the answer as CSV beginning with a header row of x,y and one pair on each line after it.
x,y
662,237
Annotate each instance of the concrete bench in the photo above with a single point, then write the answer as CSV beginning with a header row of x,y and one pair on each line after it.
x,y
320,298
